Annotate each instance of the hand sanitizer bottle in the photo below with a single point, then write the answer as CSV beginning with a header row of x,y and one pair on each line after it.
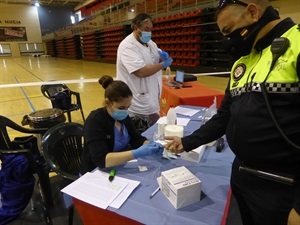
x,y
171,117
168,74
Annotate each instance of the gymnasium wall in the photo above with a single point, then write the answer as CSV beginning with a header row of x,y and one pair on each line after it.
x,y
288,8
21,16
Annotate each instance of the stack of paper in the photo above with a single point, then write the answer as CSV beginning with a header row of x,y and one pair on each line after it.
x,y
95,189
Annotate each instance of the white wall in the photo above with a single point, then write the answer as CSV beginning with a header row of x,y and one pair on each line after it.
x,y
28,17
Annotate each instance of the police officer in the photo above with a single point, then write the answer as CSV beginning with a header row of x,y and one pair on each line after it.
x,y
260,113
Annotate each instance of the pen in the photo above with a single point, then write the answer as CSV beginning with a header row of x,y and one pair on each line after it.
x,y
154,192
112,174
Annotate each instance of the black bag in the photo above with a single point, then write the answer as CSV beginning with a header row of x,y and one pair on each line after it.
x,y
62,100
141,124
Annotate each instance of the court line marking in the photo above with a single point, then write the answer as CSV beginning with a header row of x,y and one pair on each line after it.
x,y
87,80
49,82
26,96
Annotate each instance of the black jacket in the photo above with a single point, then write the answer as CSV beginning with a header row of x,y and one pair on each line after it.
x,y
99,138
249,129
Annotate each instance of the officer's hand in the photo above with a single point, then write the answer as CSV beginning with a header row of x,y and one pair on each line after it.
x,y
147,149
174,145
167,62
163,55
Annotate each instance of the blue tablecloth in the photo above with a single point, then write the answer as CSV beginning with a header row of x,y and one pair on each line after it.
x,y
213,170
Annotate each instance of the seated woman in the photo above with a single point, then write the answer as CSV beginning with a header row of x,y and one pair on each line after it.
x,y
110,137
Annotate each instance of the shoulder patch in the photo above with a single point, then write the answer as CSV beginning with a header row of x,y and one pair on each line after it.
x,y
239,71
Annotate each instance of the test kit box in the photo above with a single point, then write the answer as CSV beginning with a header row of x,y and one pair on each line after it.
x,y
195,155
180,186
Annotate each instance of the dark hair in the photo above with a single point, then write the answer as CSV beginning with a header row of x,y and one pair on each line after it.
x,y
223,3
115,90
139,19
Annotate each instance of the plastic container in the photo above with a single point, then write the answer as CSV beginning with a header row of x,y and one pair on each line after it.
x,y
171,117
168,74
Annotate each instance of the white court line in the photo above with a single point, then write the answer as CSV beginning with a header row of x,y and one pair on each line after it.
x,y
208,74
49,82
87,80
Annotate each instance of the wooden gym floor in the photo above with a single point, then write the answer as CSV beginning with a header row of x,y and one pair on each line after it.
x,y
21,78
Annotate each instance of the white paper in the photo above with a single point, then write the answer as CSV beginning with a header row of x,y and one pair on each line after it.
x,y
123,196
185,111
95,190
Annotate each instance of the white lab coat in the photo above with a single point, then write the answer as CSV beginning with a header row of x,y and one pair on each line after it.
x,y
132,56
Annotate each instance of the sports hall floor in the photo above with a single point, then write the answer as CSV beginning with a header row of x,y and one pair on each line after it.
x,y
20,94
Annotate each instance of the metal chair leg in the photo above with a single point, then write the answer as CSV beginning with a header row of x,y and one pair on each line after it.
x,y
45,187
69,116
71,214
82,114
32,207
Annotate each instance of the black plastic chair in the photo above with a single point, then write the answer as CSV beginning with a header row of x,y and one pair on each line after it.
x,y
8,146
62,148
63,98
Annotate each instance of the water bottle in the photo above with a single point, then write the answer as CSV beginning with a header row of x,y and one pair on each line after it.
x,y
168,74
171,117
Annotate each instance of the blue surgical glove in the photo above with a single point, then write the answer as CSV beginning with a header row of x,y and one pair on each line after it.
x,y
147,149
163,55
167,62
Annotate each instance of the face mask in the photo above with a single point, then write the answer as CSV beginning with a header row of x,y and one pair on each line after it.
x,y
240,42
145,37
119,114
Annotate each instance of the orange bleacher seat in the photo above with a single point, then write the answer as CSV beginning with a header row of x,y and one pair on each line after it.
x,y
172,54
194,30
190,55
179,31
172,40
185,47
178,47
173,47
173,17
195,47
165,47
186,14
195,63
184,54
184,62
195,55
179,63
172,32
178,39
194,39
176,62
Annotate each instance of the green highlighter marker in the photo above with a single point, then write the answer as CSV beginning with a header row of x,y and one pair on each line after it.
x,y
112,174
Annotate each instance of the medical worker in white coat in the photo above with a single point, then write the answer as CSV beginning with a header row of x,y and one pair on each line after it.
x,y
139,65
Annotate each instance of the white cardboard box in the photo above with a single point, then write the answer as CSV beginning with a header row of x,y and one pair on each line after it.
x,y
195,155
180,186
